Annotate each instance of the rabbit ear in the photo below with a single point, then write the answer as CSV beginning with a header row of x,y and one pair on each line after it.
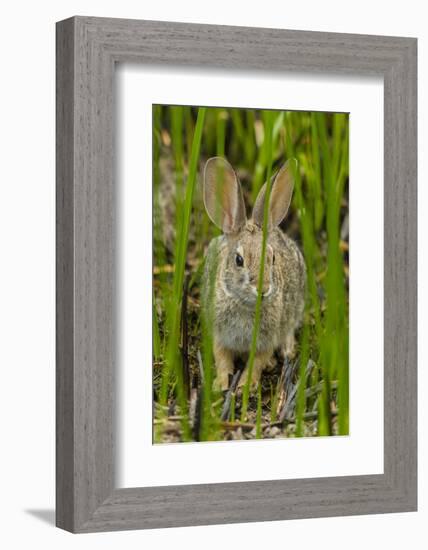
x,y
223,195
280,196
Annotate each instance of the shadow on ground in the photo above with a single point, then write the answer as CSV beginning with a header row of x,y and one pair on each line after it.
x,y
46,515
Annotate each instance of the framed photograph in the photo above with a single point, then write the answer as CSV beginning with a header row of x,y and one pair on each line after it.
x,y
236,274
220,291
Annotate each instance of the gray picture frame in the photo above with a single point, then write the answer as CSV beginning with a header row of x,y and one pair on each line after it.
x,y
87,51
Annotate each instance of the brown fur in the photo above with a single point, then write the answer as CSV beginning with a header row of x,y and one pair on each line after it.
x,y
230,291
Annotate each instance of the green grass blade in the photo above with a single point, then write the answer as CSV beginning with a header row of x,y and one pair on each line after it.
x,y
309,248
232,408
258,308
157,346
173,362
300,398
222,117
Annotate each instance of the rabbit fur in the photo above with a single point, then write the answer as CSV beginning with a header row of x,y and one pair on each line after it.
x,y
232,267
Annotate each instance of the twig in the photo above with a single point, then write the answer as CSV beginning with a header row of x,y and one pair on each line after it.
x,y
290,403
282,389
310,392
235,425
173,418
199,399
196,427
201,366
193,405
290,370
246,425
158,269
290,420
228,399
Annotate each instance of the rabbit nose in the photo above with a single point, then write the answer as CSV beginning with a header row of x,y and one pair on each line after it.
x,y
254,289
267,290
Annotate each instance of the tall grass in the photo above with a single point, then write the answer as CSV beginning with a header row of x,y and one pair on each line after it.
x,y
258,308
256,143
173,362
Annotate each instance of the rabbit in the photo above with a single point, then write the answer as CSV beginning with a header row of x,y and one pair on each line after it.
x,y
232,264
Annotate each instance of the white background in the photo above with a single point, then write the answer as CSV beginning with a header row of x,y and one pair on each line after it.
x,y
27,273
362,451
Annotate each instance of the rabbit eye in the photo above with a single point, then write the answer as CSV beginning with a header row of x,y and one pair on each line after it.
x,y
239,260
273,259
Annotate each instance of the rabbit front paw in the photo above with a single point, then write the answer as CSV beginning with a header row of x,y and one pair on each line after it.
x,y
261,360
221,381
288,351
224,366
243,382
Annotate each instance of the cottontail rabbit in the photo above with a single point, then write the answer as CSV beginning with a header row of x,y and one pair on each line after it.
x,y
231,273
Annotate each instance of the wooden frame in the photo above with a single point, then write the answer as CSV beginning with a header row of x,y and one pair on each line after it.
x,y
87,50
